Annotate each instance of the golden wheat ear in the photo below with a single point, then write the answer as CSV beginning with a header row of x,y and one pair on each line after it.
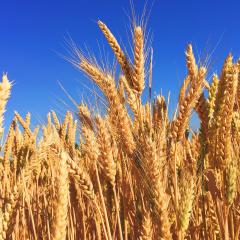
x,y
211,101
5,88
121,58
223,115
59,228
8,147
85,116
138,76
188,100
23,123
106,153
191,62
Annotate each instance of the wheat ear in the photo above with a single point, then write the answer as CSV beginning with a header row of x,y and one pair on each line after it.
x,y
220,138
81,178
106,156
56,121
138,76
85,116
7,214
180,124
156,187
8,147
191,63
61,202
212,97
126,68
107,84
5,87
185,203
24,124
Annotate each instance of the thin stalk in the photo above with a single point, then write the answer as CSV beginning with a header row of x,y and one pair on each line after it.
x,y
103,204
176,193
118,216
100,214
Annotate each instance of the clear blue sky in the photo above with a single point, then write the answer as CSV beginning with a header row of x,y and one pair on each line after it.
x,y
33,32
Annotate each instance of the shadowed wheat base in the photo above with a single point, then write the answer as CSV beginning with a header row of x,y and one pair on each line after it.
x,y
135,173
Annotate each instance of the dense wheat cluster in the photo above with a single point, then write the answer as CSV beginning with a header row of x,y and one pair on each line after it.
x,y
129,172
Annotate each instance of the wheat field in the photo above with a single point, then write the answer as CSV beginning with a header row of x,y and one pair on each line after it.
x,y
130,172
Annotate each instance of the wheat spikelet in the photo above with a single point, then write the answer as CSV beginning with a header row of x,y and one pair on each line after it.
x,y
106,156
155,183
85,115
195,78
121,90
160,113
35,132
138,76
212,97
238,87
186,201
71,134
81,178
8,147
61,203
95,73
222,83
231,181
90,149
64,126
28,119
212,220
49,122
183,90
56,121
126,68
24,124
147,115
107,85
191,63
223,116
7,214
131,97
146,224
202,110
5,87
179,125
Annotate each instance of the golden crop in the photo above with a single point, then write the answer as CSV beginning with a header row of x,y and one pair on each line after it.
x,y
135,173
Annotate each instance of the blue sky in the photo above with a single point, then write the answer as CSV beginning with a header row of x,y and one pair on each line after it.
x,y
33,34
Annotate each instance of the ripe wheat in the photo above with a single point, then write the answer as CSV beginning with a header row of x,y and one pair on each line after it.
x,y
135,173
